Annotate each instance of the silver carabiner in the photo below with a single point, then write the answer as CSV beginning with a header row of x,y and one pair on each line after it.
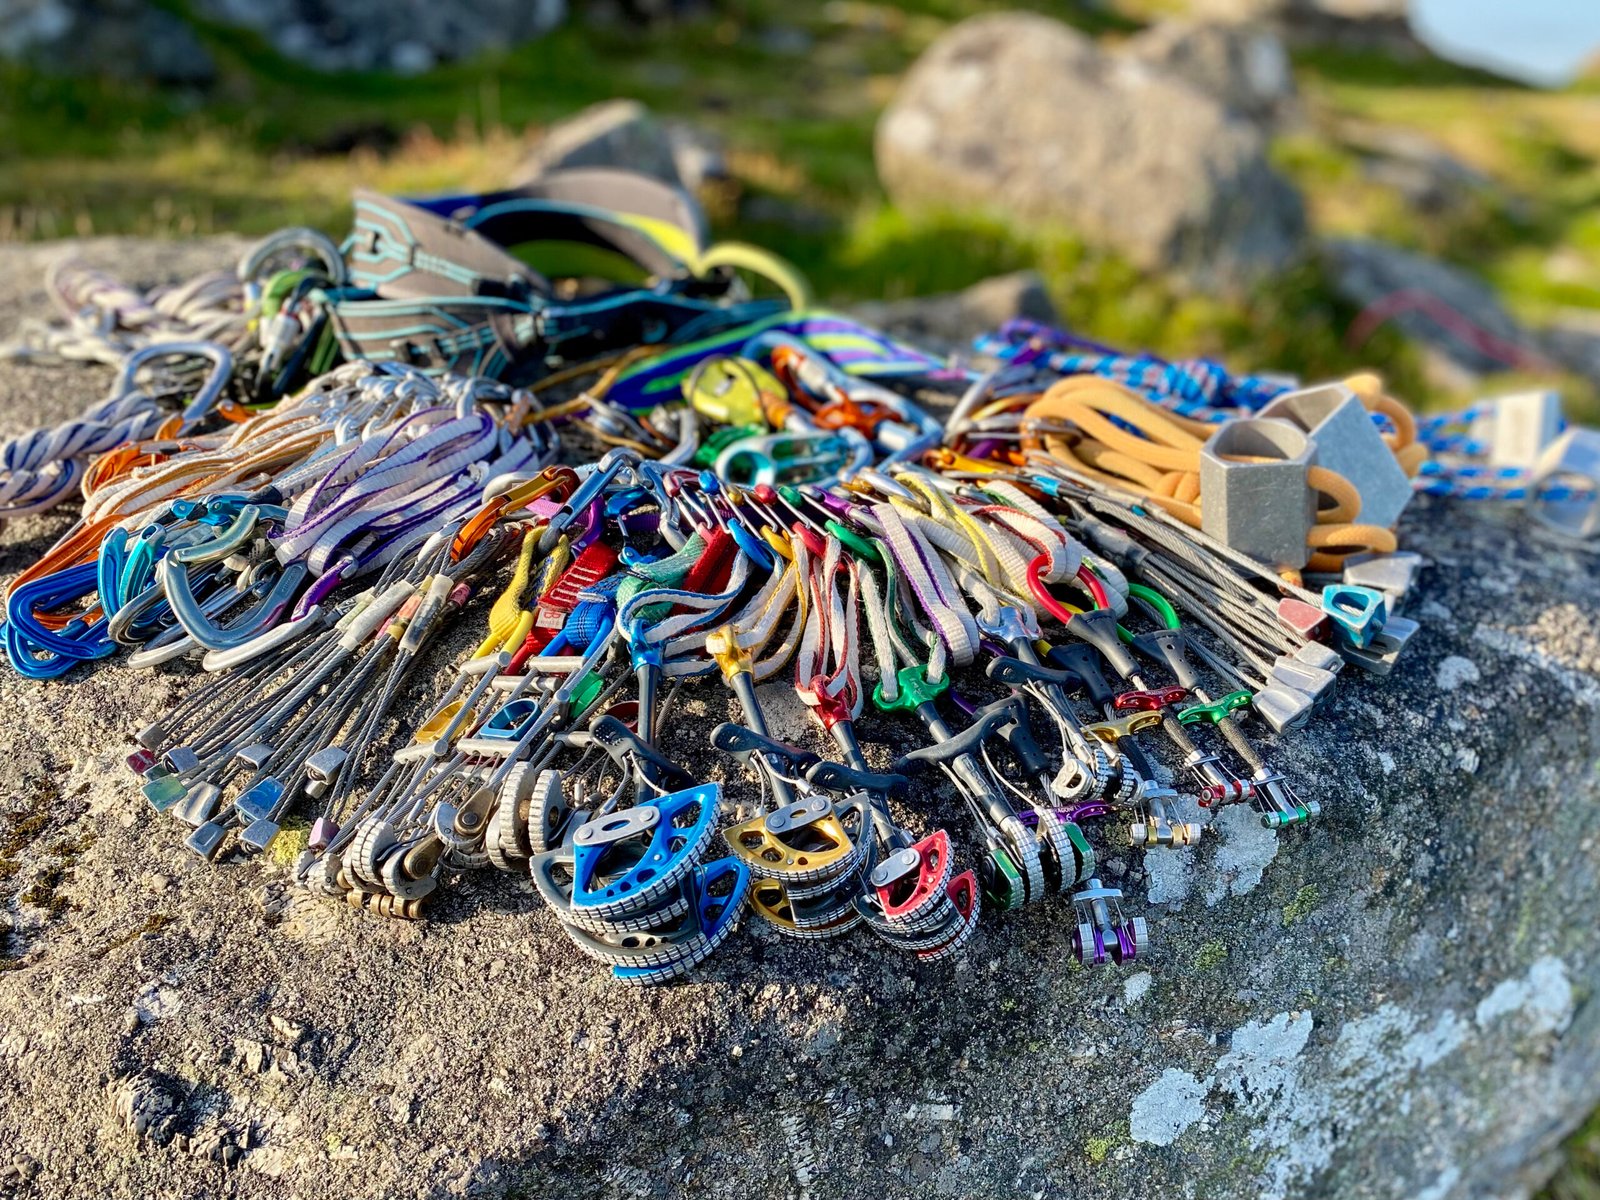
x,y
210,393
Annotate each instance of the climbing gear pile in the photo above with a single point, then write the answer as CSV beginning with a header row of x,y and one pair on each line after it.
x,y
964,659
1517,448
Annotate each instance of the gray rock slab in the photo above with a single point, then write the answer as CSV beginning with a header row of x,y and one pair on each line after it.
x,y
1397,1002
613,133
1419,289
381,35
1017,113
1245,66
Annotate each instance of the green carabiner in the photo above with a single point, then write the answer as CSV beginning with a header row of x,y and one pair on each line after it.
x,y
854,542
720,439
1156,601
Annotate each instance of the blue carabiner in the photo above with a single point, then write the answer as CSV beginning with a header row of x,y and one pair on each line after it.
x,y
753,547
139,563
40,653
109,563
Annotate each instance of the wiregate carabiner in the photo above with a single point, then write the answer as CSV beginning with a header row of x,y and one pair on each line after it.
x,y
608,468
206,399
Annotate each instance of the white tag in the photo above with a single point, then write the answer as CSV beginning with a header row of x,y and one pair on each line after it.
x,y
1521,427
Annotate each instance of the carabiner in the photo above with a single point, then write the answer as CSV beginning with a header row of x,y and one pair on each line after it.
x,y
274,601
512,500
608,468
205,400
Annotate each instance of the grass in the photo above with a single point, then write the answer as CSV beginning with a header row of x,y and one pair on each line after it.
x,y
273,143
1528,226
1579,1176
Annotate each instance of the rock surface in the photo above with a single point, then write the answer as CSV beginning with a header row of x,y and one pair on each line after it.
x,y
1246,67
1427,177
147,40
1017,112
1398,1002
1383,25
613,133
126,39
408,36
1440,306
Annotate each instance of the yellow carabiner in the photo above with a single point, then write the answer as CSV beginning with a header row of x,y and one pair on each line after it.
x,y
744,257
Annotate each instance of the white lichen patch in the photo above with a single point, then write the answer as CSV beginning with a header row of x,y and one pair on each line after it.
x,y
1297,1097
1455,671
1259,1066
1172,869
1543,998
1167,1107
156,1000
1171,874
1435,1043
1245,850
1137,985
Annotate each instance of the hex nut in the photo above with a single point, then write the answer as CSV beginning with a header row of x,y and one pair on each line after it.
x,y
1253,492
1572,463
1347,442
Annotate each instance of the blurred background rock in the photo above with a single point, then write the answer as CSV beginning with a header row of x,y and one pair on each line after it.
x,y
1290,184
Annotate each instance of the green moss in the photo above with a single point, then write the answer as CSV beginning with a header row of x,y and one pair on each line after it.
x,y
42,893
152,924
1305,900
71,848
1211,956
24,827
1098,1148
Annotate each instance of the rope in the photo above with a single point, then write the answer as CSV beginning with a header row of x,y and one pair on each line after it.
x,y
1107,432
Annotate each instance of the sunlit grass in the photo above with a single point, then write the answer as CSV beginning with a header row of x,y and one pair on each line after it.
x,y
274,143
